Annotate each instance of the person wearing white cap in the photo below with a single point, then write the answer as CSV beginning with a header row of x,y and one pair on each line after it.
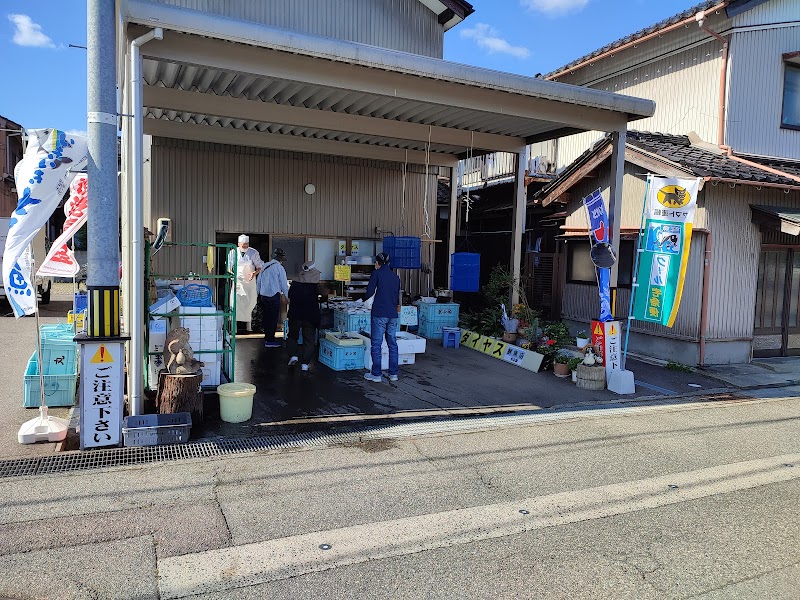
x,y
248,264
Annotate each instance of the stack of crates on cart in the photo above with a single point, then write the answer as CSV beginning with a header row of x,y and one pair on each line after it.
x,y
352,319
465,272
205,337
433,318
341,352
404,252
59,368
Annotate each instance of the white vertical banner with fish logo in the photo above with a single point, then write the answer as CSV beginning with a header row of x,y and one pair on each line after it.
x,y
60,261
664,248
42,177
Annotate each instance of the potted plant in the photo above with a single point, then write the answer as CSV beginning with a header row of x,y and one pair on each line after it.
x,y
561,365
573,367
582,339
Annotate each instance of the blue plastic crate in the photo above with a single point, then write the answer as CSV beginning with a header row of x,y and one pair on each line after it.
x,y
344,321
59,357
433,318
81,301
59,390
341,358
465,272
404,252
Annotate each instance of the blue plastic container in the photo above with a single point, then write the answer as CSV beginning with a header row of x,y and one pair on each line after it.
x,y
81,301
353,322
341,358
404,252
465,272
434,318
59,351
59,390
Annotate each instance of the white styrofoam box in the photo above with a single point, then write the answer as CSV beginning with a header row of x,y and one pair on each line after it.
x,y
407,343
402,359
198,310
206,336
166,304
158,335
211,375
155,364
212,365
205,345
208,327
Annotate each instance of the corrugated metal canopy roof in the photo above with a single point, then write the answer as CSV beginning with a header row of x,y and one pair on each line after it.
x,y
214,71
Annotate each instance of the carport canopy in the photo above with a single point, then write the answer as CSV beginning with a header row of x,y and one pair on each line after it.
x,y
221,80
777,218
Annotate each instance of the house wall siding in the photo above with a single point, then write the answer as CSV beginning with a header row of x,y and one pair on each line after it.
x,y
735,254
774,11
405,25
755,97
685,87
205,188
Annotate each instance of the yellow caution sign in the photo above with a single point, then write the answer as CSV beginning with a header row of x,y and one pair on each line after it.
x,y
598,329
613,330
102,356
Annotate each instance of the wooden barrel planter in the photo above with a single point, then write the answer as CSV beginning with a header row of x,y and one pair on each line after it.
x,y
591,378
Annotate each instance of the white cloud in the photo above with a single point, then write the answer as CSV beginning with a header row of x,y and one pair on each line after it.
x,y
488,38
554,7
79,132
28,33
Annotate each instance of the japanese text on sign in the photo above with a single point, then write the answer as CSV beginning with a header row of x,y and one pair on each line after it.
x,y
101,394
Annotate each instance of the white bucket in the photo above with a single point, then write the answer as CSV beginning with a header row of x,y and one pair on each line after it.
x,y
236,401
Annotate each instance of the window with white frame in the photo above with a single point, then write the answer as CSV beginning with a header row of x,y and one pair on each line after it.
x,y
790,116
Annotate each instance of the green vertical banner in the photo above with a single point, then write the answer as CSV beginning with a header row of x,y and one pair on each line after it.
x,y
664,248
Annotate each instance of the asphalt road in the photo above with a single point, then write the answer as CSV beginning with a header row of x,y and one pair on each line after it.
x,y
691,500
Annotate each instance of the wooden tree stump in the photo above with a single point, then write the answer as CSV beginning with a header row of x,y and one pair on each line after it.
x,y
180,393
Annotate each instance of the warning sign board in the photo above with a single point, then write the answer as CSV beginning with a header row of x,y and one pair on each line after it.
x,y
102,356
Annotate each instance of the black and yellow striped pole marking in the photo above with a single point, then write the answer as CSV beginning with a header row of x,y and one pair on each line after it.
x,y
103,312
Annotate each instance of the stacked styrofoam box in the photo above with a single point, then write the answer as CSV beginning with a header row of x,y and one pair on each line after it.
x,y
408,346
156,341
205,338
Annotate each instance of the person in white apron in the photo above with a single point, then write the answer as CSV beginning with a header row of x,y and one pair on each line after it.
x,y
248,265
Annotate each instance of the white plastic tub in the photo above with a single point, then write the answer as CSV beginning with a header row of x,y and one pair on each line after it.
x,y
236,402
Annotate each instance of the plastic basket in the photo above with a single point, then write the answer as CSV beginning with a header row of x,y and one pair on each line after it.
x,y
341,358
404,252
156,430
465,272
195,295
59,390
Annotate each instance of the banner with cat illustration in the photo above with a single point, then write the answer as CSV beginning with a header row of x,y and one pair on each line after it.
x,y
664,248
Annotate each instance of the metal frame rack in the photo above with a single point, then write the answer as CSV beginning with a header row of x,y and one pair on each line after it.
x,y
227,311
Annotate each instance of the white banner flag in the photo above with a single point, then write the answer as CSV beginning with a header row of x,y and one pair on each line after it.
x,y
43,175
60,261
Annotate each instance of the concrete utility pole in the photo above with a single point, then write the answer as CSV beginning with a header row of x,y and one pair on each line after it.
x,y
103,228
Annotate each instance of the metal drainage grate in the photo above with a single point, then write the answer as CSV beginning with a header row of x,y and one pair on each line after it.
x,y
118,457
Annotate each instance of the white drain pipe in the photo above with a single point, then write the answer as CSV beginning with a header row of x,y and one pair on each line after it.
x,y
136,220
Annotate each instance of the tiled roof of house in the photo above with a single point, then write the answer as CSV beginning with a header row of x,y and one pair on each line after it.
x,y
689,12
703,163
781,164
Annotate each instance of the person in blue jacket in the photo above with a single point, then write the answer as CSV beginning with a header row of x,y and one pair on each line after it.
x,y
384,285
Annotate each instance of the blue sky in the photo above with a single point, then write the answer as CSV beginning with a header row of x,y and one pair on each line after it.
x,y
520,36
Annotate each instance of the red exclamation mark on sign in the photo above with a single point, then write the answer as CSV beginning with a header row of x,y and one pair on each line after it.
x,y
102,354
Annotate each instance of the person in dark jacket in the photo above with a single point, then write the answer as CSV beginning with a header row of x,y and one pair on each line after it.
x,y
384,288
303,315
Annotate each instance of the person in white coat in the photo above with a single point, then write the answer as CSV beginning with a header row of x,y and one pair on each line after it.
x,y
248,264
